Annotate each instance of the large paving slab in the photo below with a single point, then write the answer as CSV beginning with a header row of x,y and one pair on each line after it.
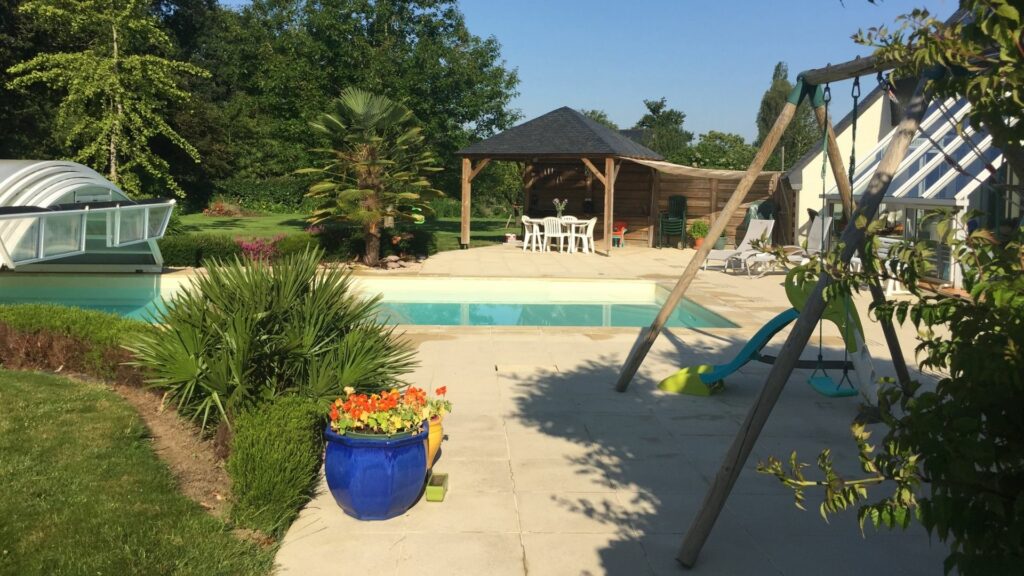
x,y
552,472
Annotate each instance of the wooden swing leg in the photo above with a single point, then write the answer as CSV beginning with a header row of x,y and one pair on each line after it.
x,y
751,428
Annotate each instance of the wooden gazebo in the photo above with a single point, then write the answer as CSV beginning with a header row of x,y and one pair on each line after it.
x,y
602,173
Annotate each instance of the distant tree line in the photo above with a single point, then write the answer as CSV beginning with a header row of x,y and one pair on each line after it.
x,y
661,129
203,99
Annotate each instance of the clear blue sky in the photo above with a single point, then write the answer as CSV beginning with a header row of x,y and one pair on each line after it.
x,y
712,59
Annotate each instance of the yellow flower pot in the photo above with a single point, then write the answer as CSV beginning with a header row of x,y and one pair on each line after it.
x,y
434,437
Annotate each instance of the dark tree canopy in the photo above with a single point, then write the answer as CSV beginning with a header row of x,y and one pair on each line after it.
x,y
274,64
663,128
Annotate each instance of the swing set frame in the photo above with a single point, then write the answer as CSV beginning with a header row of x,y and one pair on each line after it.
x,y
808,87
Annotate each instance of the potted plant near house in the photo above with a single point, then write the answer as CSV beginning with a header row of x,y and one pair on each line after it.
x,y
437,407
698,230
376,456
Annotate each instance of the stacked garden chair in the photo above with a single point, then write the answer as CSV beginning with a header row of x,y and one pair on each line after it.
x,y
673,222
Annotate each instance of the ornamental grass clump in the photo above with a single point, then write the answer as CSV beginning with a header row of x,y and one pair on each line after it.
x,y
247,332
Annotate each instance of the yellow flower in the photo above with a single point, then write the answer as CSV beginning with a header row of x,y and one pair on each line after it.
x,y
349,390
396,422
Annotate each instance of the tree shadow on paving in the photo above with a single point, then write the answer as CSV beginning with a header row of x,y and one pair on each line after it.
x,y
644,487
650,457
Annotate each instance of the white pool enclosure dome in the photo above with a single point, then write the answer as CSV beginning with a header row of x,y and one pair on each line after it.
x,y
57,215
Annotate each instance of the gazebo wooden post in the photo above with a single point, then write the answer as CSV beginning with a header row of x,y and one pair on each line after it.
x,y
467,187
609,203
468,173
782,368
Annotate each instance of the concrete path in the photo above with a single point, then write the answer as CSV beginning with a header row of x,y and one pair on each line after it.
x,y
552,472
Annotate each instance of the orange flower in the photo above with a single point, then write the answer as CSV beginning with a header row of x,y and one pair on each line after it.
x,y
441,391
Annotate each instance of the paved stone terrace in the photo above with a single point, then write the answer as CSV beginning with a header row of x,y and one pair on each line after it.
x,y
552,472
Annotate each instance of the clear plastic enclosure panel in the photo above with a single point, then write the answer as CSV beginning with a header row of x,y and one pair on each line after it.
x,y
27,247
157,216
62,234
131,228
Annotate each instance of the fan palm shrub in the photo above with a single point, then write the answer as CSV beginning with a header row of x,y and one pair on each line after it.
x,y
375,166
245,333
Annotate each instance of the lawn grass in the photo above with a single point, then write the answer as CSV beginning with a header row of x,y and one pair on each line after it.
x,y
483,230
247,226
85,494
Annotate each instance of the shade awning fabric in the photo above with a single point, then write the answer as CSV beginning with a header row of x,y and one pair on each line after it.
x,y
680,170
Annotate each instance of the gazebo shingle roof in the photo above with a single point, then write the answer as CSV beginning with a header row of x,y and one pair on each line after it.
x,y
562,132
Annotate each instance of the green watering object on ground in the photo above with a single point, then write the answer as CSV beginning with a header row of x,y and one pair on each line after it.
x,y
706,379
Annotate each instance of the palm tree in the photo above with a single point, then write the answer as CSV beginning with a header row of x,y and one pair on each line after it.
x,y
375,168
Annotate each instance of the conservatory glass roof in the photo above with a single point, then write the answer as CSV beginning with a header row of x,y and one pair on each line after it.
x,y
929,175
67,213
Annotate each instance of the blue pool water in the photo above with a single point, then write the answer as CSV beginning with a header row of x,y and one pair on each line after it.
x,y
139,296
687,314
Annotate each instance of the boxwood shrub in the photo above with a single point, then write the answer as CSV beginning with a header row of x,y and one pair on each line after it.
x,y
274,464
192,249
52,337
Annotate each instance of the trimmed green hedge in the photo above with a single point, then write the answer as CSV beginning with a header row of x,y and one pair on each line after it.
x,y
53,337
282,194
275,459
192,249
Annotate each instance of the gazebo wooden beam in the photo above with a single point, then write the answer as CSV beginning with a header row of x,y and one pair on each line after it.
x,y
468,173
593,170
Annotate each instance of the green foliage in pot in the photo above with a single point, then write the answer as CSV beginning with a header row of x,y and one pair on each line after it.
x,y
276,452
245,332
699,229
959,439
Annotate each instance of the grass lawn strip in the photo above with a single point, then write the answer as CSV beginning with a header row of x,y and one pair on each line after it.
x,y
84,492
483,230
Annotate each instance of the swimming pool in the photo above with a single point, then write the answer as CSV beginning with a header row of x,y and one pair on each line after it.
x,y
425,301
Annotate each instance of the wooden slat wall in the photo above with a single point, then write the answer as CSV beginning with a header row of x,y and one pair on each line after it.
x,y
700,191
633,188
568,180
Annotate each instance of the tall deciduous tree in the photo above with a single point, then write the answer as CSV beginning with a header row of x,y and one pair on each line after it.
x,y
720,150
115,88
600,116
663,128
376,167
802,132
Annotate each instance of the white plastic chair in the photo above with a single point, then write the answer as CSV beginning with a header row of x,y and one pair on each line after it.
x,y
585,236
531,234
553,230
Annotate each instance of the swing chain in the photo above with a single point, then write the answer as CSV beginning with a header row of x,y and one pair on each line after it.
x,y
855,94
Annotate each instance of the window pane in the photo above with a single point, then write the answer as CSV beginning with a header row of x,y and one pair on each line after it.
x,y
62,234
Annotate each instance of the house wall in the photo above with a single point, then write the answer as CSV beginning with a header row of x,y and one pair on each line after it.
x,y
873,123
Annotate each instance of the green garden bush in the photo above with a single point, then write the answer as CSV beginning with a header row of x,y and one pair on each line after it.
x,y
246,332
275,460
52,337
192,249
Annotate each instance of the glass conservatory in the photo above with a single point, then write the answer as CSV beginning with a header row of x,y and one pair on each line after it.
x,y
62,216
949,166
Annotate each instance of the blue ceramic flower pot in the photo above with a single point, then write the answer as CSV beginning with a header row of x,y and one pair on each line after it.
x,y
375,478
